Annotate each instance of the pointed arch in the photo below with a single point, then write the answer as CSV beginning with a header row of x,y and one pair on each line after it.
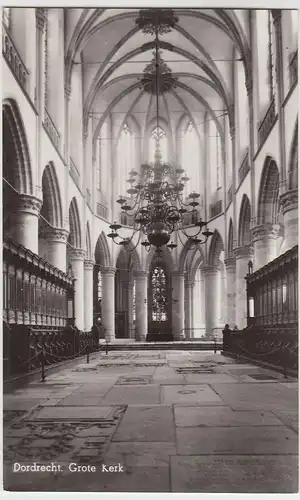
x,y
215,249
230,239
129,257
102,253
52,205
268,198
244,235
75,239
293,161
186,252
16,156
165,256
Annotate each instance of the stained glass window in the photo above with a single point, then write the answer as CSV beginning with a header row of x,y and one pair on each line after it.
x,y
125,158
190,159
159,134
159,294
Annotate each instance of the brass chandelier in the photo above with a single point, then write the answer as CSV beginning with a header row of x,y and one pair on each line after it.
x,y
154,198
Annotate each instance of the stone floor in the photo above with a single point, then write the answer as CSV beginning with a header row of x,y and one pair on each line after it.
x,y
154,421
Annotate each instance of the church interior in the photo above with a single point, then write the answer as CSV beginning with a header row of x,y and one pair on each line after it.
x,y
150,249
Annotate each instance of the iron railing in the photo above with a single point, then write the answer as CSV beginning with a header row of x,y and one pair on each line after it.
x,y
13,59
267,123
52,130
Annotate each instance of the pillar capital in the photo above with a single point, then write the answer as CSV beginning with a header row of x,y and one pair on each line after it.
x,y
77,254
179,274
190,283
230,262
108,271
27,203
89,264
210,270
140,274
55,234
289,201
245,252
265,231
41,17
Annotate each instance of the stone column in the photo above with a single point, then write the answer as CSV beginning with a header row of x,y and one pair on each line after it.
x,y
55,246
212,298
178,305
264,239
289,205
230,266
76,259
129,307
242,255
88,294
24,222
190,334
108,302
141,306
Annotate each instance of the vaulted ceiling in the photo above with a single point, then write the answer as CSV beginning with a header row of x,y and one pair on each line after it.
x,y
199,51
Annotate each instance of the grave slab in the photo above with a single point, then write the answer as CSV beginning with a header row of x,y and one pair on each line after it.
x,y
257,396
147,394
236,440
212,378
140,454
71,413
190,394
236,474
147,423
221,416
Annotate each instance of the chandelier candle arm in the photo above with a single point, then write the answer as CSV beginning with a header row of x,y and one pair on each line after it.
x,y
155,201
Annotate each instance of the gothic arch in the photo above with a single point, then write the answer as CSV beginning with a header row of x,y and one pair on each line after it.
x,y
102,254
244,222
216,247
52,205
164,256
75,239
293,161
268,203
230,239
130,257
16,156
184,255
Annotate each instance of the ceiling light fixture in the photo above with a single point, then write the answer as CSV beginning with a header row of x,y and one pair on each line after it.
x,y
154,198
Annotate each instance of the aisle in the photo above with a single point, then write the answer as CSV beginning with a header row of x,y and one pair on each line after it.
x,y
154,421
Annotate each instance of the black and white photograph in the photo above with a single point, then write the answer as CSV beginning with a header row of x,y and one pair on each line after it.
x,y
150,249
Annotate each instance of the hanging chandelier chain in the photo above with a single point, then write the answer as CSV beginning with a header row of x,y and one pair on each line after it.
x,y
155,200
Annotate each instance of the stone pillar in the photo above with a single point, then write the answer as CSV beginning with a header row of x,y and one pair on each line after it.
x,y
230,266
88,294
54,242
190,334
129,307
141,306
178,305
76,259
108,302
243,255
289,205
24,222
212,298
264,243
